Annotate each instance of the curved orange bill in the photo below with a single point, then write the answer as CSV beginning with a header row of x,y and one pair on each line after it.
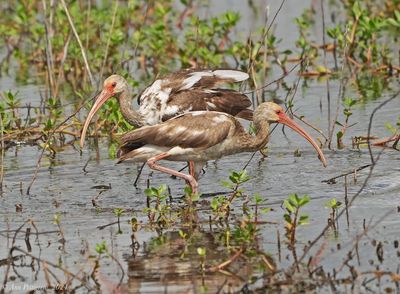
x,y
101,99
283,119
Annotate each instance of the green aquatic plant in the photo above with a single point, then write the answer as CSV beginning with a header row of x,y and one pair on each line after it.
x,y
293,218
220,205
333,205
160,213
101,248
118,212
9,110
347,112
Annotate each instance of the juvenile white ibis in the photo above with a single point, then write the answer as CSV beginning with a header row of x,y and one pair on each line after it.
x,y
177,93
201,136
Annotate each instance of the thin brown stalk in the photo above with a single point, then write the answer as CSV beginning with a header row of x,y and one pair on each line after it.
x,y
342,88
358,193
223,265
346,202
276,80
333,180
10,259
278,237
67,272
135,50
92,82
265,34
60,69
2,152
109,39
50,136
48,24
89,10
310,125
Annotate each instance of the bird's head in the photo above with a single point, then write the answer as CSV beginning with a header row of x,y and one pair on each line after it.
x,y
270,112
273,113
112,86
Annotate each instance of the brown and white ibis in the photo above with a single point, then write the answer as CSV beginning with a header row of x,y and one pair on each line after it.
x,y
201,136
177,93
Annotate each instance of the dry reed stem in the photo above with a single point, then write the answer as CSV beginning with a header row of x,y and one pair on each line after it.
x,y
109,39
80,44
49,49
328,92
332,180
265,34
2,152
64,57
223,265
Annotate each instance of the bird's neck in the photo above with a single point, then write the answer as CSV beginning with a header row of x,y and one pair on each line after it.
x,y
131,115
262,135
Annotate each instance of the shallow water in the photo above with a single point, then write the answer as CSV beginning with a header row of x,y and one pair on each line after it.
x,y
63,187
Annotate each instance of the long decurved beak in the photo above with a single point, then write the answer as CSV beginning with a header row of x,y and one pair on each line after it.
x,y
101,99
284,119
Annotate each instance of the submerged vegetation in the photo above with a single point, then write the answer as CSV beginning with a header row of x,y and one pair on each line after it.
x,y
69,47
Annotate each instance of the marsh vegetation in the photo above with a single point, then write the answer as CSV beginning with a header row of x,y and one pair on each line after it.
x,y
273,221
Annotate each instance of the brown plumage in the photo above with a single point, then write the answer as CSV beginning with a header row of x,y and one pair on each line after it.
x,y
202,136
174,94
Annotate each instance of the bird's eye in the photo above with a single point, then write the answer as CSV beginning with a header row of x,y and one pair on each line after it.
x,y
278,112
114,84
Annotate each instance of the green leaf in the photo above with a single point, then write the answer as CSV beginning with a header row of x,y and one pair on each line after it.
x,y
201,251
304,200
289,206
257,198
214,204
391,128
356,9
287,218
303,220
227,184
182,234
265,210
101,247
338,123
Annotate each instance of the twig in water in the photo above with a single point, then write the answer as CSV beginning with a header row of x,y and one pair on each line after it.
x,y
355,196
138,175
227,262
333,180
10,256
328,93
346,202
50,136
372,117
342,87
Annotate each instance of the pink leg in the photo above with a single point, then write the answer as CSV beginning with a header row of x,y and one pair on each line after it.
x,y
151,162
191,168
